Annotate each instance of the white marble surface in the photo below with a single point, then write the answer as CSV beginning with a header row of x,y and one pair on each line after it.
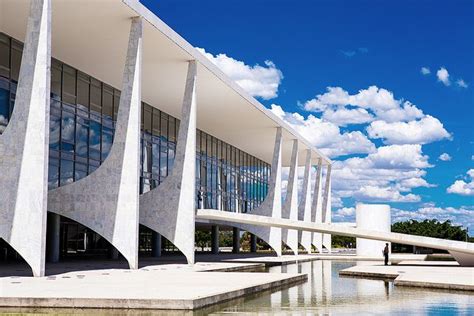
x,y
24,146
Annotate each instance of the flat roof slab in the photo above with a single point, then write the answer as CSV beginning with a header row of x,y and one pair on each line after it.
x,y
174,286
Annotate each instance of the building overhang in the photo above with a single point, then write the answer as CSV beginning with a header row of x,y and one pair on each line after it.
x,y
92,36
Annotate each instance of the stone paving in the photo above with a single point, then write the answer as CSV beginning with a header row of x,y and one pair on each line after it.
x,y
165,286
427,274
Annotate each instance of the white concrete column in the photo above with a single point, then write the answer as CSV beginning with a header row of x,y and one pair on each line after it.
x,y
113,211
271,206
317,207
290,207
304,209
169,209
24,146
327,212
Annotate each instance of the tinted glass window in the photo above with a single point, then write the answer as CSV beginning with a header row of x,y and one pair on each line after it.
x,y
4,56
4,104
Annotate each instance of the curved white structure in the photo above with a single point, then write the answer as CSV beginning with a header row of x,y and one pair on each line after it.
x,y
89,42
113,211
169,208
24,145
372,217
465,248
290,206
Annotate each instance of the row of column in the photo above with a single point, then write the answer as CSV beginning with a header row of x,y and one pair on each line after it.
x,y
314,205
116,210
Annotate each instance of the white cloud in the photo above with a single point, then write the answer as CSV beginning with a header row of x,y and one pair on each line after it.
x,y
344,116
345,213
257,80
407,184
426,130
377,194
443,76
371,98
444,157
383,175
405,112
326,135
333,96
462,187
425,70
461,83
341,108
388,173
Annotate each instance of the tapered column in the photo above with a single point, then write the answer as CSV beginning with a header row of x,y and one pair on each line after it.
x,y
156,244
169,209
112,211
317,207
235,240
290,207
304,209
271,206
327,213
24,146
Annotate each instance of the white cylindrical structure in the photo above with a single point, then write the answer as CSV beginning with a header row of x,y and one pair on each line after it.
x,y
373,217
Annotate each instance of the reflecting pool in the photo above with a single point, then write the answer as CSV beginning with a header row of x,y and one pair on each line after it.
x,y
328,294
325,293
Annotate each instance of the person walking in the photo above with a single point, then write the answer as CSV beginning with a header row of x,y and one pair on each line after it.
x,y
385,254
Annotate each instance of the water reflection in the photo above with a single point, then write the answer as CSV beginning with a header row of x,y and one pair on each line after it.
x,y
326,293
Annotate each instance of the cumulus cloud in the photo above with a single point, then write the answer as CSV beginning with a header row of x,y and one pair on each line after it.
x,y
342,108
257,80
371,98
423,131
385,175
425,70
343,213
443,76
377,194
344,116
444,157
461,83
326,135
462,187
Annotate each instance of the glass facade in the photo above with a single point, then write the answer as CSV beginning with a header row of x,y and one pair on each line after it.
x,y
82,124
228,178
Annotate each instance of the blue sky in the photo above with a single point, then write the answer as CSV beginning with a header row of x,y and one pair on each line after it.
x,y
286,55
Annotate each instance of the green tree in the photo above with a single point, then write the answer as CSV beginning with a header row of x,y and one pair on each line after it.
x,y
343,241
429,228
203,238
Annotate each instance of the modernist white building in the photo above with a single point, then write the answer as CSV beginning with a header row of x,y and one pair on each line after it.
x,y
113,127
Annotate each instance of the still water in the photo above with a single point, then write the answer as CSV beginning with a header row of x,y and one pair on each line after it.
x,y
325,293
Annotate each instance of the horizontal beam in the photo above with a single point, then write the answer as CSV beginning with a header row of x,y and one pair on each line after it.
x,y
420,241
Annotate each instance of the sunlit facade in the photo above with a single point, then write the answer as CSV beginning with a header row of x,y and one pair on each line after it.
x,y
83,115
